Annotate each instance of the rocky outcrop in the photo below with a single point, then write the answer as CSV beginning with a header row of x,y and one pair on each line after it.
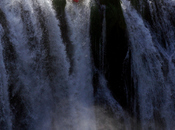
x,y
116,46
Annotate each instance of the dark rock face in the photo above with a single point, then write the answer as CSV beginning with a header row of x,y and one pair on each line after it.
x,y
116,47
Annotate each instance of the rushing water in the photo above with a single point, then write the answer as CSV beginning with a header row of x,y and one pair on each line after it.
x,y
39,89
43,87
152,63
81,89
36,67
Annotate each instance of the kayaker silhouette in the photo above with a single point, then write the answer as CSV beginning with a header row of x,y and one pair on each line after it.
x,y
75,0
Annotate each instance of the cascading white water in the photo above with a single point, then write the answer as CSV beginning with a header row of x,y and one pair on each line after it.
x,y
41,66
81,89
40,90
5,117
152,67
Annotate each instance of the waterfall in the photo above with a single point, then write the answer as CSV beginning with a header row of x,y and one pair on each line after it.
x,y
152,66
41,87
5,117
48,84
36,68
81,90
